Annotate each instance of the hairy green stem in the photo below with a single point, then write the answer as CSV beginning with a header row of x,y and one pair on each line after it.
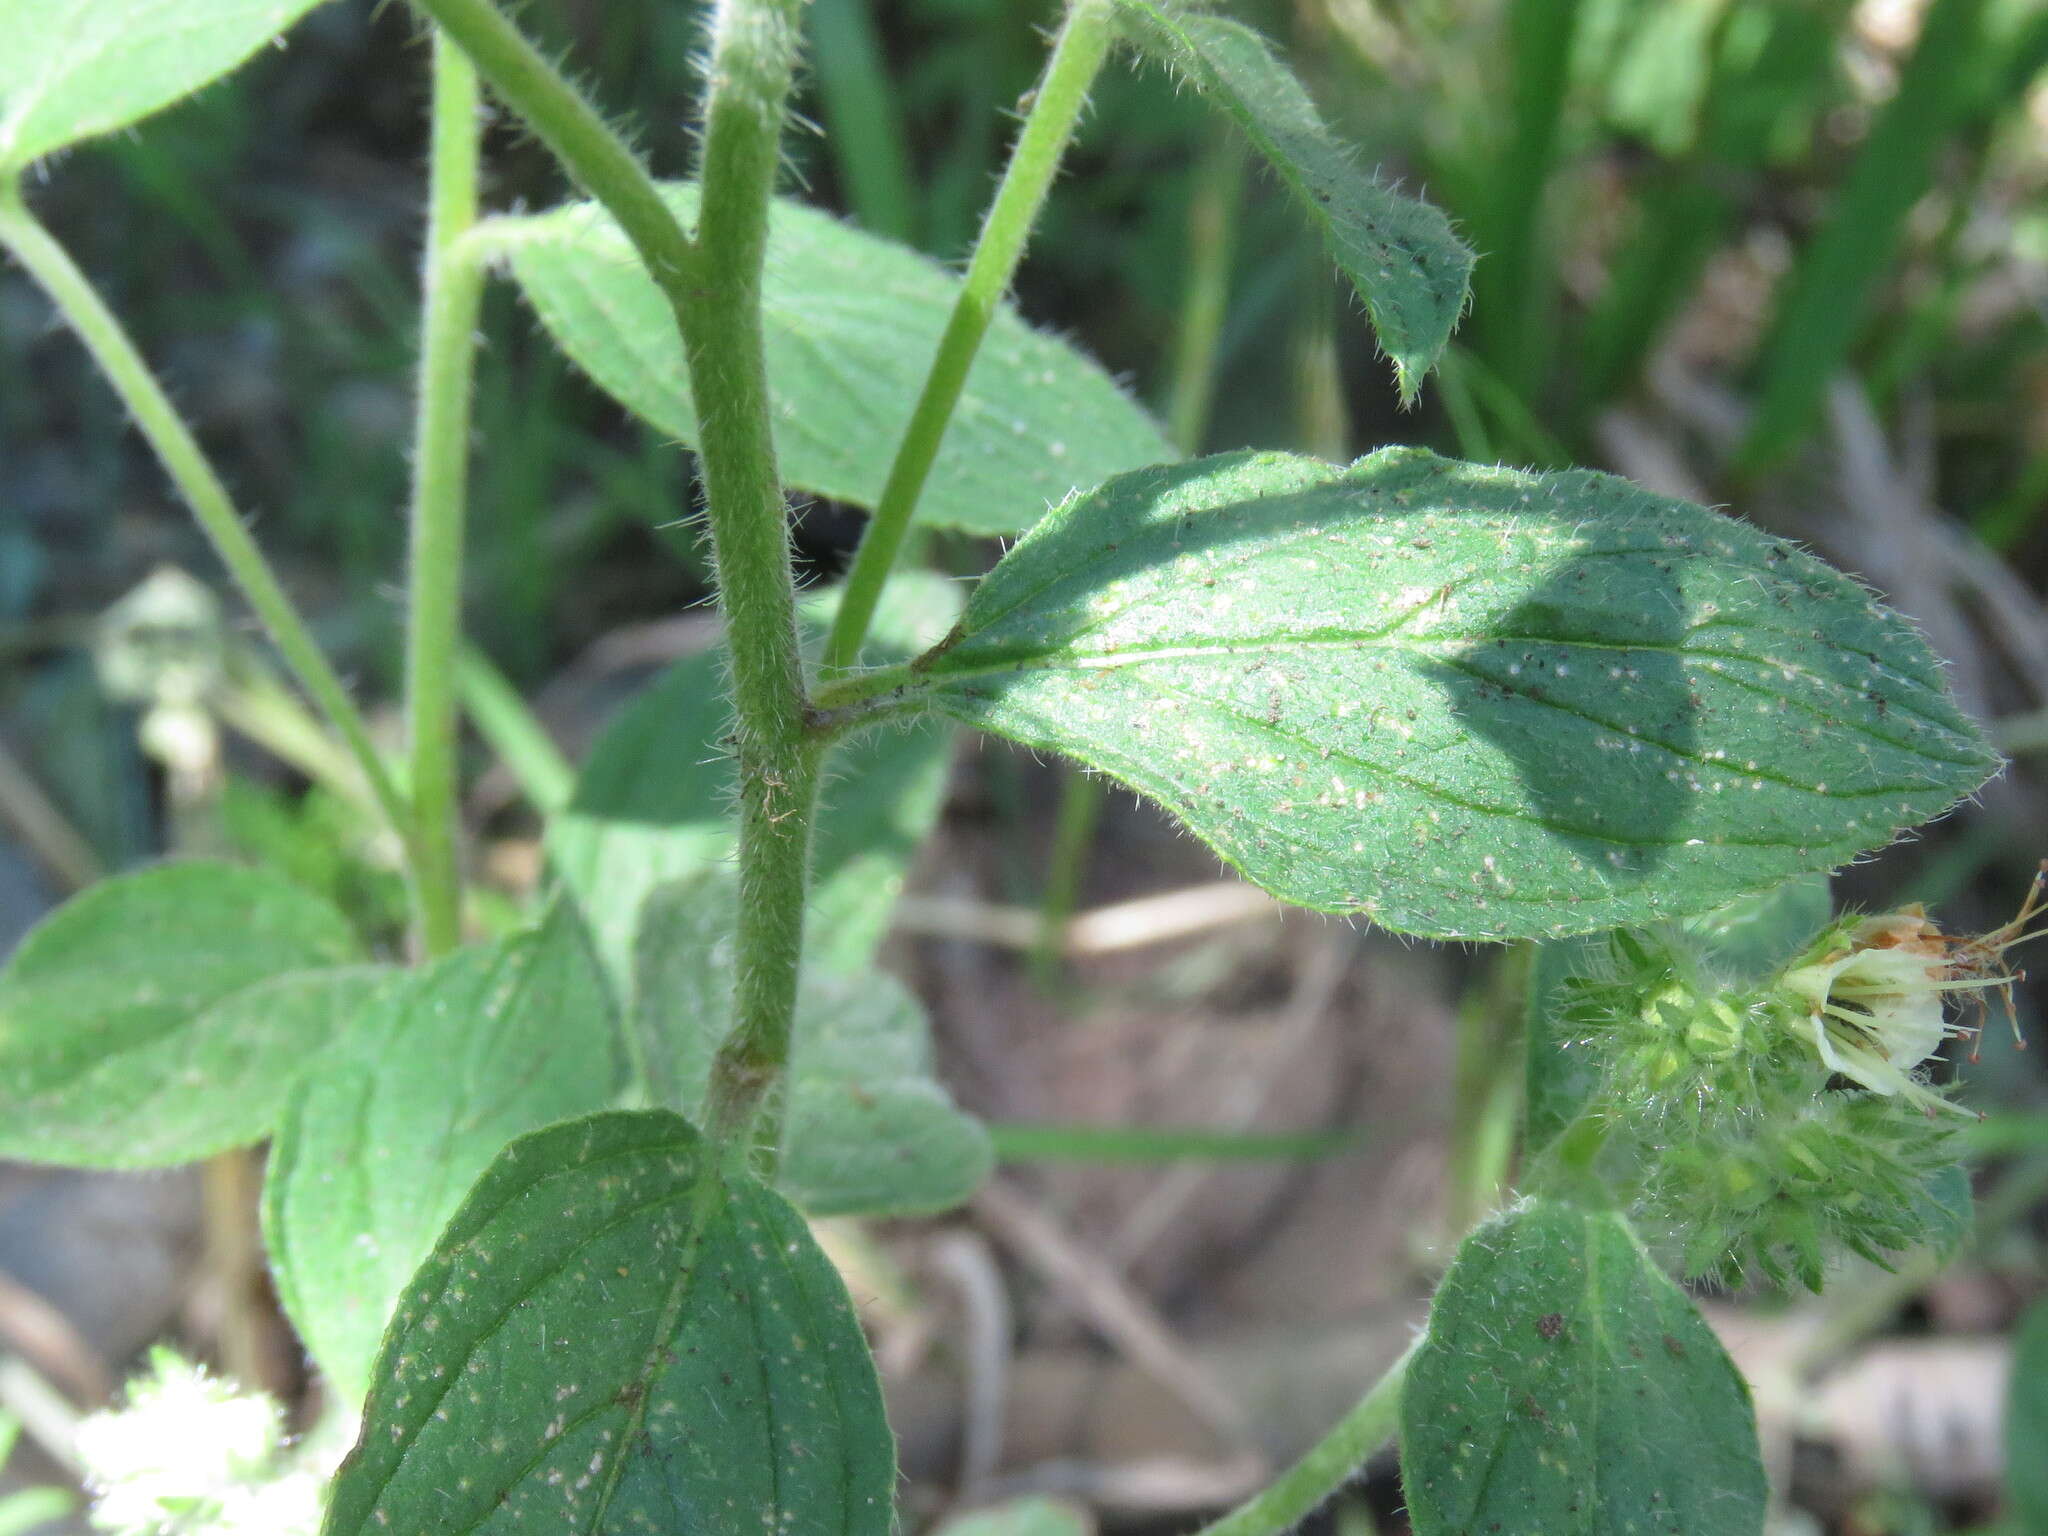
x,y
753,54
595,157
453,290
1077,57
1329,1464
713,284
186,464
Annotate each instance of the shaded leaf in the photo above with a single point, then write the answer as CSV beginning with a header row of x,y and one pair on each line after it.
x,y
852,323
654,802
871,1131
73,69
868,1129
1948,1210
1747,940
1400,253
390,1127
164,1016
610,1338
1464,702
1558,1079
1567,1386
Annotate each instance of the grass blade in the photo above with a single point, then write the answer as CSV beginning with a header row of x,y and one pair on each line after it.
x,y
1827,296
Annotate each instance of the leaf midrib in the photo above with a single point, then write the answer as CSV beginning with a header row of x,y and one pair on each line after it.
x,y
1277,541
1513,813
502,1315
946,671
1285,509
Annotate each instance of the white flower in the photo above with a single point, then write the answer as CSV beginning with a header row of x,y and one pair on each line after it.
x,y
193,1455
1876,994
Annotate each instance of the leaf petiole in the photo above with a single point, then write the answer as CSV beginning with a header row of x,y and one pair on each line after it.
x,y
1077,57
1328,1465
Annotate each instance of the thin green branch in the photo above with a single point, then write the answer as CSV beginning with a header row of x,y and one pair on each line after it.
x,y
186,464
1077,57
453,296
1322,419
595,157
1329,1464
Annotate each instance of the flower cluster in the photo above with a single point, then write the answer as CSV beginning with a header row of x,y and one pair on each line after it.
x,y
192,1455
1782,1191
1763,1125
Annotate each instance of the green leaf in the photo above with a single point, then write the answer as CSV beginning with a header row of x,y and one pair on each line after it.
x,y
852,323
74,69
868,1130
1463,702
1566,1386
609,1337
1400,254
392,1124
2026,1421
186,933
1022,1517
163,1016
1947,1208
654,802
1747,940
1558,1080
26,1509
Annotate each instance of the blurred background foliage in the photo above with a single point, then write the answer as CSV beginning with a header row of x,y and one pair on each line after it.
x,y
1744,199
1787,256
